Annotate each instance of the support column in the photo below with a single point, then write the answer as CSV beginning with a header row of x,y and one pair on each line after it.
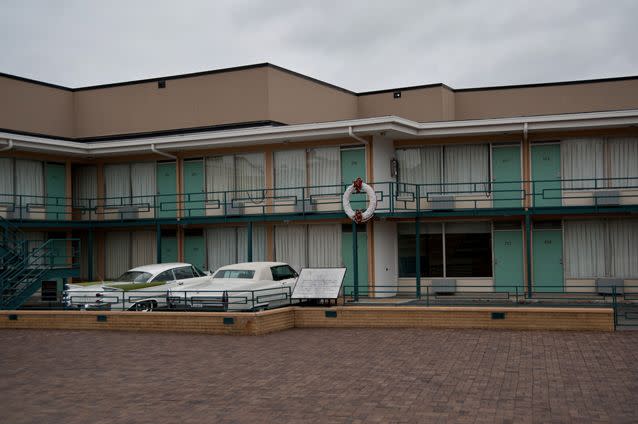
x,y
250,242
528,254
417,226
355,262
158,243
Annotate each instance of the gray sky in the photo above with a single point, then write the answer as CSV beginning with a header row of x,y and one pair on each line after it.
x,y
359,45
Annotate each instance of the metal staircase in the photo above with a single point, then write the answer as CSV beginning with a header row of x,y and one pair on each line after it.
x,y
22,268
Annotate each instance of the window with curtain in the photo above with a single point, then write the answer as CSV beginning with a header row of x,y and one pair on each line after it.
x,y
249,171
465,164
220,177
117,184
586,248
143,187
324,245
6,181
455,166
84,186
143,248
289,172
291,245
243,173
29,181
582,159
623,160
229,245
117,251
467,252
325,170
601,248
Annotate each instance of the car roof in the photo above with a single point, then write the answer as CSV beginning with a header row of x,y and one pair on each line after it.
x,y
157,268
252,265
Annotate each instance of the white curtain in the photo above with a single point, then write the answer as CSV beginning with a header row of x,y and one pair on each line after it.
x,y
29,181
623,158
582,159
143,248
325,170
586,249
221,247
117,246
249,171
84,186
324,245
117,184
220,177
290,171
143,186
35,239
6,180
420,166
290,245
465,164
623,235
259,243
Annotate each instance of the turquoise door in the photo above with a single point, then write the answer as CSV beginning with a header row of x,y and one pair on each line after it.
x,y
169,249
546,166
547,269
353,166
56,191
506,170
195,250
362,252
508,261
194,196
166,202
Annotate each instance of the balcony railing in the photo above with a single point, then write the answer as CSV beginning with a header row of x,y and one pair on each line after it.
x,y
392,198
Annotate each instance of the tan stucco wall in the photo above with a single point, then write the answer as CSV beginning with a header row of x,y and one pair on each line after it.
x,y
547,100
295,100
205,100
421,105
35,108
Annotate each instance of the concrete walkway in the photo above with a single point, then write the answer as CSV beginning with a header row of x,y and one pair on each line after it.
x,y
319,375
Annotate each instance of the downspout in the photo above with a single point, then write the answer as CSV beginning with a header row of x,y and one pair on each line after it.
x,y
159,152
7,147
356,137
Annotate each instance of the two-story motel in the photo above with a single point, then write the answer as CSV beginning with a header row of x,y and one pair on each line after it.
x,y
501,187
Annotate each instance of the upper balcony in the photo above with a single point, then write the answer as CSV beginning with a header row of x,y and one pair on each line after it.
x,y
394,200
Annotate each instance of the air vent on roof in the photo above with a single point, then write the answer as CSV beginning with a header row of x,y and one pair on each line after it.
x,y
161,84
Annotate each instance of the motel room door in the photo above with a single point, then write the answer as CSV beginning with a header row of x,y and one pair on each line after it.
x,y
546,166
56,191
508,261
168,251
194,188
167,190
547,254
195,248
506,168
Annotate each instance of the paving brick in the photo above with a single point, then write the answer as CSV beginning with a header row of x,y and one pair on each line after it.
x,y
319,376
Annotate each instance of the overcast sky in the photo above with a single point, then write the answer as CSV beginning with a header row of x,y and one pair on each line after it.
x,y
359,45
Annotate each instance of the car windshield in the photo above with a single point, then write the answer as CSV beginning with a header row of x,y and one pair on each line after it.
x,y
234,273
134,277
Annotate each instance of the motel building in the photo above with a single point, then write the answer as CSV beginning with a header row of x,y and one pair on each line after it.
x,y
496,189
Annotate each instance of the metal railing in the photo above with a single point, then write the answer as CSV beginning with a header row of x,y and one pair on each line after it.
x,y
393,198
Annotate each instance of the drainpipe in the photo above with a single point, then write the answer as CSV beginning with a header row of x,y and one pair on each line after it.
x,y
356,137
159,152
8,146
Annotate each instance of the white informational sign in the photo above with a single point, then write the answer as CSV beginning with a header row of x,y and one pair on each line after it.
x,y
319,283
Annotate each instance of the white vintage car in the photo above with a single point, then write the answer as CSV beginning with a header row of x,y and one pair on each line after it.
x,y
142,289
245,286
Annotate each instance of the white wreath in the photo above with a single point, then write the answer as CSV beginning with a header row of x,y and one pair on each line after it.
x,y
372,205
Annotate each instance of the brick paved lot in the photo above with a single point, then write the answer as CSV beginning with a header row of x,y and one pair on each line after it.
x,y
318,376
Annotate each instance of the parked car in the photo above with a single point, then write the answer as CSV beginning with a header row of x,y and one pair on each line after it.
x,y
244,286
142,289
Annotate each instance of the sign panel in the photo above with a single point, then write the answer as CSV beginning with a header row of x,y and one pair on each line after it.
x,y
319,283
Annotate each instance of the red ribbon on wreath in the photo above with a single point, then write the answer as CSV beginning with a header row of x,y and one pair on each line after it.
x,y
358,184
358,216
